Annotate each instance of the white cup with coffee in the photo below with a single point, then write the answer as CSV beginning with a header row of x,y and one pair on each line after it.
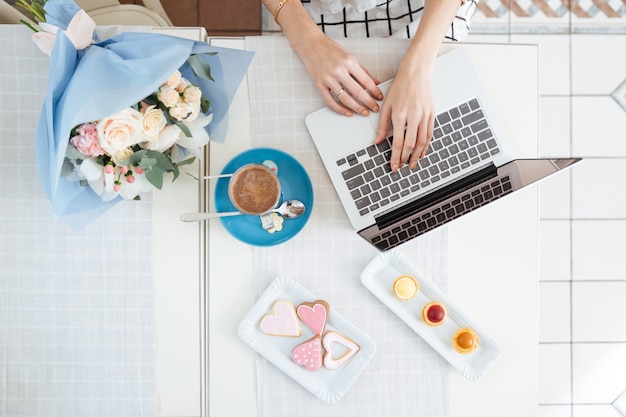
x,y
254,189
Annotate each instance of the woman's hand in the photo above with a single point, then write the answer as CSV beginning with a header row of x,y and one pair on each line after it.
x,y
344,84
409,110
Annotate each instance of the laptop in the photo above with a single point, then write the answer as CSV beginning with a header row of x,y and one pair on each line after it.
x,y
468,163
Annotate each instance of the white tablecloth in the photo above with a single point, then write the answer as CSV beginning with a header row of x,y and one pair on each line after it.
x,y
77,331
406,377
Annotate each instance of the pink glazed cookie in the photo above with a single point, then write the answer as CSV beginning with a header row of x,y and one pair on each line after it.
x,y
308,354
314,315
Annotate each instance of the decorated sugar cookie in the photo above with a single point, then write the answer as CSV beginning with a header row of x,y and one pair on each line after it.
x,y
314,315
282,321
308,354
333,340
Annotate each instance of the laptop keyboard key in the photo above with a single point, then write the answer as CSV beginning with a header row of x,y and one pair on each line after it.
x,y
352,172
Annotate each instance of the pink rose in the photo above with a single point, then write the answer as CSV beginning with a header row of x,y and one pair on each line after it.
x,y
86,141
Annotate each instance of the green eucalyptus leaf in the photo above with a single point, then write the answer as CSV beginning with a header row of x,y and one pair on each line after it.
x,y
151,100
162,161
155,176
205,104
147,163
183,127
175,171
136,157
67,168
192,176
188,161
199,67
73,153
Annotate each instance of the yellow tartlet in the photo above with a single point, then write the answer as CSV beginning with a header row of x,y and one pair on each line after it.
x,y
405,287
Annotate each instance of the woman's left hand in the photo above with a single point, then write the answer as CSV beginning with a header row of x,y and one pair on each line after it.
x,y
408,109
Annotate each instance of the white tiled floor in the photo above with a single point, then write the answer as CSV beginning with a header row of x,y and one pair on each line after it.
x,y
582,327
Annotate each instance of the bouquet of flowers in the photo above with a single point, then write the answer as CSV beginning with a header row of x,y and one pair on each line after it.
x,y
127,153
122,113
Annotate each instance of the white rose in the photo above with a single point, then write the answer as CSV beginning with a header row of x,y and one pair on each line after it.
x,y
173,80
153,122
167,138
122,155
120,131
181,111
168,96
192,94
182,85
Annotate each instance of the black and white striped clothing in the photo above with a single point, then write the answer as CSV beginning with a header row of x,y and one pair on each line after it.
x,y
390,18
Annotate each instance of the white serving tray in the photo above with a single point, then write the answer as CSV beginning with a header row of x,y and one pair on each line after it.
x,y
379,277
328,385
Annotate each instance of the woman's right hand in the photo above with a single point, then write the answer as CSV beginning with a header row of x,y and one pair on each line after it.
x,y
346,86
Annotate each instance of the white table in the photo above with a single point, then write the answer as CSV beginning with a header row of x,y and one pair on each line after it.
x,y
492,269
176,292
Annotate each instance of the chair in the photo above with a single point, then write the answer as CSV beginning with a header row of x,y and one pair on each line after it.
x,y
104,12
10,15
111,12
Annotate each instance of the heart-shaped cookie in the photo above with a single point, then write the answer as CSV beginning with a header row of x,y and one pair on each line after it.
x,y
308,354
314,315
331,340
282,321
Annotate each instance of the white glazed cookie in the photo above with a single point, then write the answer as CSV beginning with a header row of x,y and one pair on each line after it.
x,y
330,340
283,320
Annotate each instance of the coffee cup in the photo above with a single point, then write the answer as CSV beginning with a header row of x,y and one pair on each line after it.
x,y
254,189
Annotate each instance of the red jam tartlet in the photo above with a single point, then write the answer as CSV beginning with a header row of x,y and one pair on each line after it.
x,y
465,340
434,313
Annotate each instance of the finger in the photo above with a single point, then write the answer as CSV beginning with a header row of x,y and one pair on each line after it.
x,y
424,134
362,88
346,98
396,146
384,124
419,148
410,137
372,87
332,102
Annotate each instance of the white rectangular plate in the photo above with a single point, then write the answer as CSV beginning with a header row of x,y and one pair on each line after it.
x,y
328,385
379,277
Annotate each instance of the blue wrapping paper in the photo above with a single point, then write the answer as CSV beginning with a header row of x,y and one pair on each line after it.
x,y
106,77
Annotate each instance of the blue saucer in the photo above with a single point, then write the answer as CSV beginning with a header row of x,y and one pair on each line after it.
x,y
295,184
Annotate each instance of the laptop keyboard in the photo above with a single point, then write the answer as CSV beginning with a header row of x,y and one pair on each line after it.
x,y
461,140
442,213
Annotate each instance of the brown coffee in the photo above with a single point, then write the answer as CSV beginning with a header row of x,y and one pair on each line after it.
x,y
254,189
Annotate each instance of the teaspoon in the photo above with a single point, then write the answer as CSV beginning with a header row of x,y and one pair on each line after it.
x,y
289,209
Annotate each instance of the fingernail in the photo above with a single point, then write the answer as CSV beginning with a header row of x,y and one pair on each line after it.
x,y
394,167
376,108
347,114
380,96
365,112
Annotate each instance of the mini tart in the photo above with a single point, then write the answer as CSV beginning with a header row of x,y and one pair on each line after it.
x,y
465,340
405,287
434,313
